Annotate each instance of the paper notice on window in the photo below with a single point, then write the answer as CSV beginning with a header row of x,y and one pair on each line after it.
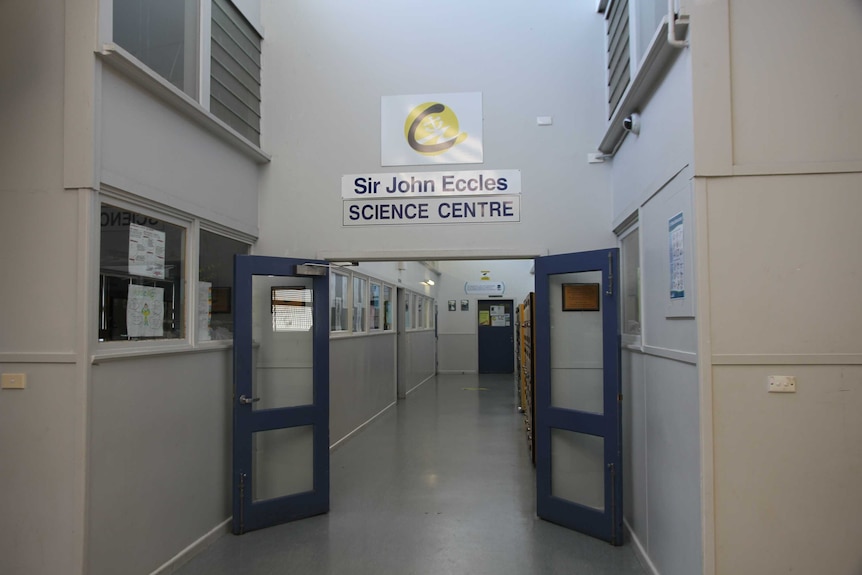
x,y
145,311
146,252
205,302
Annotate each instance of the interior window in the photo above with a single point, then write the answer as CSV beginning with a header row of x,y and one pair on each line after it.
x,y
163,35
215,285
141,262
359,310
337,302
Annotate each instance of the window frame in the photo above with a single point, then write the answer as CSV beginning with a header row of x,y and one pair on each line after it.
x,y
361,282
392,308
196,107
351,277
189,299
209,227
372,307
346,303
107,350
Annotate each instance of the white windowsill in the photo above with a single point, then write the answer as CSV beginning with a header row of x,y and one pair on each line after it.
x,y
132,68
114,352
647,78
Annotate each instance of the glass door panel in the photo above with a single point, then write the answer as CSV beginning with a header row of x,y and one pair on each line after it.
x,y
281,391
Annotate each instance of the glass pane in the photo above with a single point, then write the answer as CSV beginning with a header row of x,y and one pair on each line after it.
x,y
337,302
163,35
420,312
578,467
141,263
282,462
576,343
630,255
215,285
375,306
407,316
649,15
284,345
387,308
358,304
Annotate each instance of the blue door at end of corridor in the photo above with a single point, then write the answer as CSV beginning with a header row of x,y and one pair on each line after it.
x,y
280,391
579,393
496,336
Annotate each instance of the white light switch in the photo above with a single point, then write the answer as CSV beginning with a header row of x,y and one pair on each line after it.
x,y
545,120
782,384
13,381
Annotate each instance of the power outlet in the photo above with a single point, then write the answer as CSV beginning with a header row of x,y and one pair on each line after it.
x,y
782,384
13,381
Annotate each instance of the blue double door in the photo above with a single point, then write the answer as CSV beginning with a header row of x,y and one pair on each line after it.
x,y
281,392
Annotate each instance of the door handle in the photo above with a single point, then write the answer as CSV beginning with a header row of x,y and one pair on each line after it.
x,y
247,400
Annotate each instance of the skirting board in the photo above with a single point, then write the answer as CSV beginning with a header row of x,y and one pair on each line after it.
x,y
194,549
362,426
415,387
640,552
457,372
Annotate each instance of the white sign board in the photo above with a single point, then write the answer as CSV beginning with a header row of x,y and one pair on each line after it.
x,y
460,183
432,210
431,129
486,288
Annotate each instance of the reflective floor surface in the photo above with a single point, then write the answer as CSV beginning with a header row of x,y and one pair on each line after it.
x,y
440,484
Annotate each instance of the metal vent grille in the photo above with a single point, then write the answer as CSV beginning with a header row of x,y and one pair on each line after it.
x,y
618,53
235,71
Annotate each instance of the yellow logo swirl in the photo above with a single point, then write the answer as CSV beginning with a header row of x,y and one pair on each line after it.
x,y
432,128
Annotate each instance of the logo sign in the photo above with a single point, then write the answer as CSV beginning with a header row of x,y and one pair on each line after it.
x,y
431,129
484,288
462,183
432,210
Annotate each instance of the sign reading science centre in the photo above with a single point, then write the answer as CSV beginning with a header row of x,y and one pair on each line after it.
x,y
480,196
431,129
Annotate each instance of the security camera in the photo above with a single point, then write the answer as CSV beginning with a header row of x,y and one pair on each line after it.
x,y
632,124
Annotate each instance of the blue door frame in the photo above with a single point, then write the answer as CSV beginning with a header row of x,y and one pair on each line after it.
x,y
606,523
249,515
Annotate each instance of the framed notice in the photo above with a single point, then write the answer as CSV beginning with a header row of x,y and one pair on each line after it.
x,y
221,300
581,297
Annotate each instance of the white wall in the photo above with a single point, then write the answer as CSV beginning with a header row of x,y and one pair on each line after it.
x,y
651,176
458,330
788,465
153,151
795,97
41,427
780,121
160,462
326,65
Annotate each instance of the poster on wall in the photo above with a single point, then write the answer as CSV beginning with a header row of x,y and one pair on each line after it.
x,y
146,252
426,129
677,257
145,311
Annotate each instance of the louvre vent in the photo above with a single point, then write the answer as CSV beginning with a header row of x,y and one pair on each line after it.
x,y
618,53
235,71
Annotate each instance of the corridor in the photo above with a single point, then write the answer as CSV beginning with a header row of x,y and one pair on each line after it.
x,y
440,484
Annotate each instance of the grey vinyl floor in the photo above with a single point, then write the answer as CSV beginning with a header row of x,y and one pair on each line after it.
x,y
440,484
